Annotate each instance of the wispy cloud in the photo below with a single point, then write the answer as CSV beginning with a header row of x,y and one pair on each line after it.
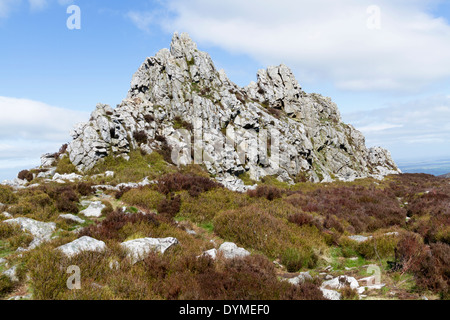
x,y
323,40
145,20
37,5
30,128
414,129
28,119
6,6
142,20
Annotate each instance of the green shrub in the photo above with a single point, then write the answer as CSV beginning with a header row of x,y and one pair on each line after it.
x,y
6,286
65,166
107,209
145,197
8,230
378,247
205,207
21,240
135,169
294,259
7,195
253,227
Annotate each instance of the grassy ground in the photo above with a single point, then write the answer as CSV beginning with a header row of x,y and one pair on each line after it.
x,y
287,228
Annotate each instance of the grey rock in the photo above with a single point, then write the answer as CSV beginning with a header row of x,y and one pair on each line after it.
x,y
94,210
42,231
301,278
25,297
331,294
47,174
230,250
72,177
11,274
72,217
16,183
340,283
138,249
7,215
47,160
359,238
82,244
307,136
211,253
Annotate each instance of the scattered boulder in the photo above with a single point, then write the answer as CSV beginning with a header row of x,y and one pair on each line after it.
x,y
47,174
25,297
47,160
138,249
16,183
42,231
12,274
72,177
230,250
81,245
211,253
331,294
301,278
72,217
340,283
369,283
359,238
7,215
94,210
109,174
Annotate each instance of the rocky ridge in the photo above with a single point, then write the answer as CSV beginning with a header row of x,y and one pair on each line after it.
x,y
269,128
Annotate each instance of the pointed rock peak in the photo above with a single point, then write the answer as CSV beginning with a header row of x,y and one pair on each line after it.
x,y
280,75
182,45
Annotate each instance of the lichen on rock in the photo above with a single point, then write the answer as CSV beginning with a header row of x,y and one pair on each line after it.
x,y
269,128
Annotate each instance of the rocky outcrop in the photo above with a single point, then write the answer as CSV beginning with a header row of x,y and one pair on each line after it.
x,y
178,99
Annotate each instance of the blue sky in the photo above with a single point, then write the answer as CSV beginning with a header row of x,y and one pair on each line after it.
x,y
391,81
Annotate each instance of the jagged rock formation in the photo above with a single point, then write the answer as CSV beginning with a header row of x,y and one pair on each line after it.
x,y
270,127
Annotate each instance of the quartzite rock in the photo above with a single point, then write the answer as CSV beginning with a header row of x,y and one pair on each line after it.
x,y
284,131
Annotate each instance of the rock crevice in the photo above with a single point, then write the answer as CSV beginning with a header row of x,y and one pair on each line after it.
x,y
269,128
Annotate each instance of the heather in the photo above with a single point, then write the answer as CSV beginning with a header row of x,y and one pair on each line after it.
x,y
287,229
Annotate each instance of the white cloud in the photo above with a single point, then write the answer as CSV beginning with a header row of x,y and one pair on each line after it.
x,y
6,6
414,129
142,20
324,40
27,119
30,128
379,127
37,5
